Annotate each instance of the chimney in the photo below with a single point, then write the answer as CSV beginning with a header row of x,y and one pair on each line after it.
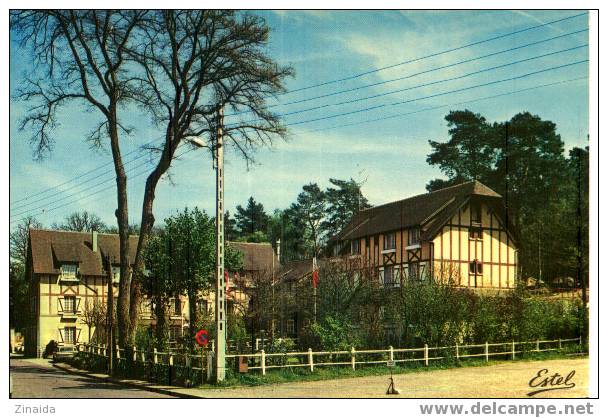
x,y
94,240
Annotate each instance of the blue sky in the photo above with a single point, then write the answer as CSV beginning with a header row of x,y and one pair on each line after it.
x,y
389,155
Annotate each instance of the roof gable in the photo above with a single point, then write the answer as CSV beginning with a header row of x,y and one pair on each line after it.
x,y
50,249
425,209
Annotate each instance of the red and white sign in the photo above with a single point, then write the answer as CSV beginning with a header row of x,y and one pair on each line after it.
x,y
202,338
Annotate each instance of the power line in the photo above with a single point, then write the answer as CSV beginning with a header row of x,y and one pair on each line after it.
x,y
74,194
349,78
435,54
79,176
418,85
334,127
84,198
76,186
357,76
442,106
350,90
438,94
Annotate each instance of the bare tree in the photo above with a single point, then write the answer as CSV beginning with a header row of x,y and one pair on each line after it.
x,y
81,222
93,316
178,66
18,239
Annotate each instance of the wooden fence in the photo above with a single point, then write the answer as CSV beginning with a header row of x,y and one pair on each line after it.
x,y
262,361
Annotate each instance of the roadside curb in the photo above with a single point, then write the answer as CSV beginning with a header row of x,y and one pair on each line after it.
x,y
172,390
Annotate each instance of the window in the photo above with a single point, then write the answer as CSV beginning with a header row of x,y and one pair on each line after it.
x,y
203,306
68,271
291,327
389,241
355,247
390,276
69,335
475,267
413,236
177,306
476,212
413,271
175,332
475,232
115,274
69,303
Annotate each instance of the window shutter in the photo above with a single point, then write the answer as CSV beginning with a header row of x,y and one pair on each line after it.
x,y
60,330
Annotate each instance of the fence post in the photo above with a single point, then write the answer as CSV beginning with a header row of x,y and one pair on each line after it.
x,y
134,354
143,356
170,359
537,346
263,362
457,353
203,366
310,361
560,343
513,350
391,356
426,354
353,359
117,352
580,341
487,352
155,359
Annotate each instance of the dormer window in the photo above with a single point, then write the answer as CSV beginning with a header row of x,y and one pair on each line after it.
x,y
115,274
69,271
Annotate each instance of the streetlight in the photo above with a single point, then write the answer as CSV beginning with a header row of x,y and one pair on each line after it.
x,y
220,284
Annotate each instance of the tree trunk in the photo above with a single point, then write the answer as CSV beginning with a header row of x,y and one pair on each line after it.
x,y
147,222
122,218
193,318
160,312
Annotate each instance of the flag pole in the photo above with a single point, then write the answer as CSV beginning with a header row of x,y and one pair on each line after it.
x,y
314,288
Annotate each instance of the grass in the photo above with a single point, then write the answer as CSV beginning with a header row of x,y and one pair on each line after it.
x,y
301,374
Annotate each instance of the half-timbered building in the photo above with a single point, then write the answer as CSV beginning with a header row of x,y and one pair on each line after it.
x,y
458,234
67,273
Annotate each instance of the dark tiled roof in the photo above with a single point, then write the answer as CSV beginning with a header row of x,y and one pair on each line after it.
x,y
427,209
51,248
256,256
295,270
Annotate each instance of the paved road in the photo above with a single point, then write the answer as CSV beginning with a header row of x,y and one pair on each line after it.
x,y
508,380
36,378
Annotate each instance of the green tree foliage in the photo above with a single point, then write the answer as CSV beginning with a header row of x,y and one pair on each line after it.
x,y
230,229
310,207
344,200
18,282
18,295
181,260
251,221
523,160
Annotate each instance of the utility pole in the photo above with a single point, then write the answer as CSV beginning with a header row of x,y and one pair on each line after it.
x,y
579,241
220,284
110,316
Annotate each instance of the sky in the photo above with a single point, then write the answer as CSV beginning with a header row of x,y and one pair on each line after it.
x,y
381,142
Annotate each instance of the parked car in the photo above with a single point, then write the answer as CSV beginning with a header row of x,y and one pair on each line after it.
x,y
64,352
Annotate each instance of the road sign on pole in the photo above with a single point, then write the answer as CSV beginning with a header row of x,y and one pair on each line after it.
x,y
202,338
